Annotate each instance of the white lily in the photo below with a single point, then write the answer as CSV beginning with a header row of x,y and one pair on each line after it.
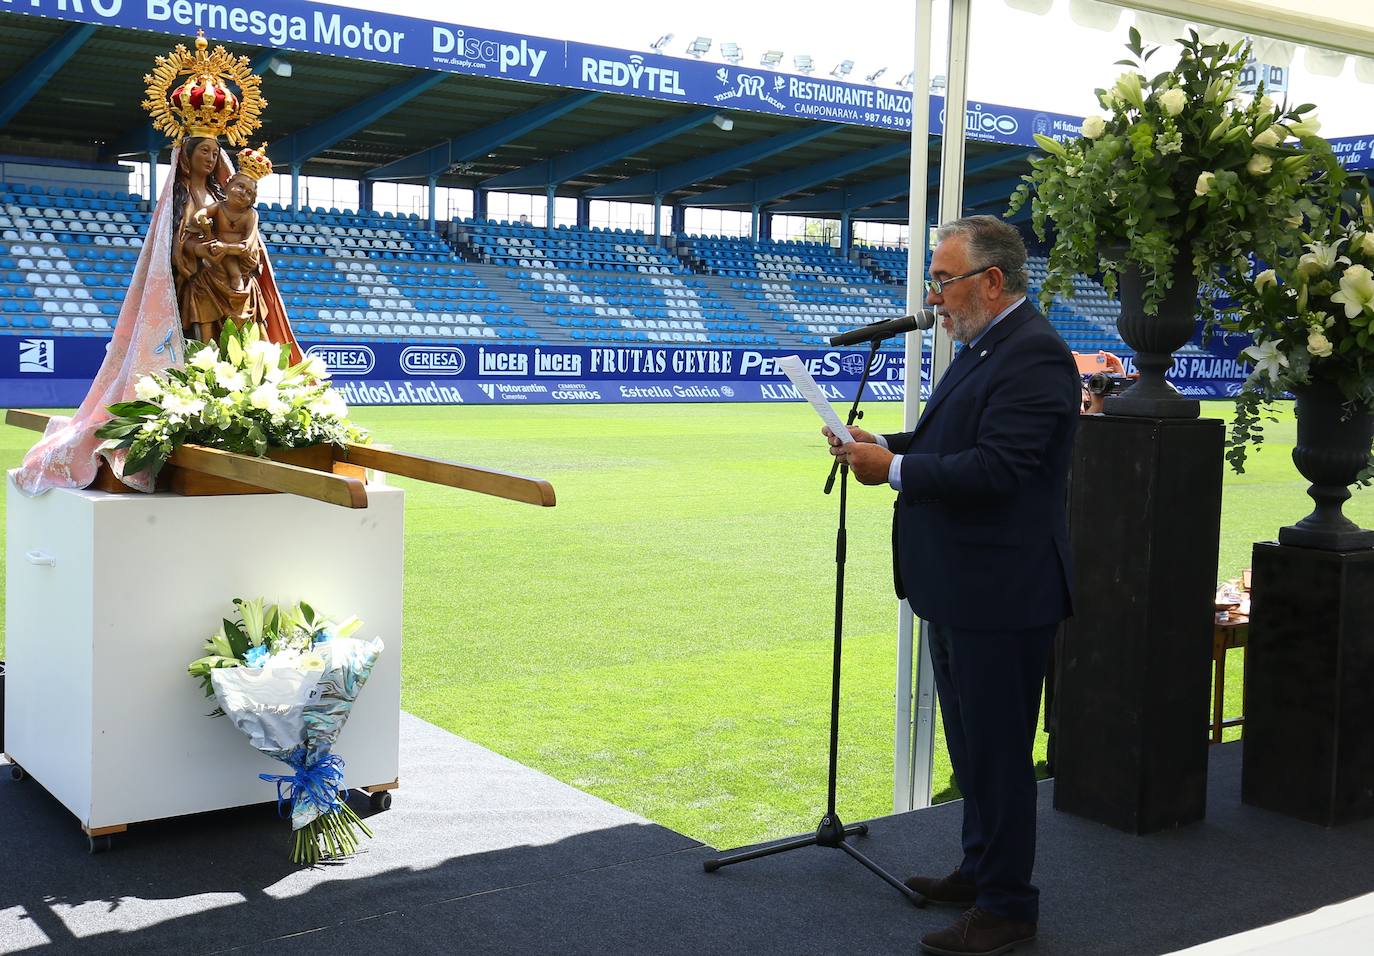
x,y
147,389
1362,242
183,405
1307,126
329,405
1128,89
1321,257
264,396
1268,358
1357,291
229,378
269,353
315,368
205,359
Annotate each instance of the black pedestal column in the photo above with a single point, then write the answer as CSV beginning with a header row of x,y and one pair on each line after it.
x,y
1309,684
1135,670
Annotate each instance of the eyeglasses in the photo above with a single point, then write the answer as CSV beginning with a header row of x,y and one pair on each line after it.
x,y
937,286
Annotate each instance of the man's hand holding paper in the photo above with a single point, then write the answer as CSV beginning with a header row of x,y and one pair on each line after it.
x,y
867,460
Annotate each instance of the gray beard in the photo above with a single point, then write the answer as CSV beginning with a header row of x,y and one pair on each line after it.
x,y
969,325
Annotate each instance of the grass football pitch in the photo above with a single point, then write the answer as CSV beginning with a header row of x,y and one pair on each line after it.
x,y
662,638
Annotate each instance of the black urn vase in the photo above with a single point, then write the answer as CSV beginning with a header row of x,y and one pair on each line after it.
x,y
1155,338
1333,446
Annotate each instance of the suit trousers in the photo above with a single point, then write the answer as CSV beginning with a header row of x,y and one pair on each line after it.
x,y
989,686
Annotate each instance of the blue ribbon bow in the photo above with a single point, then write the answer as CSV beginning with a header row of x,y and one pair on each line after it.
x,y
315,784
167,347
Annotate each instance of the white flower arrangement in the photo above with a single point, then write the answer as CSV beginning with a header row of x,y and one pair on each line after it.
x,y
1180,164
1311,316
241,394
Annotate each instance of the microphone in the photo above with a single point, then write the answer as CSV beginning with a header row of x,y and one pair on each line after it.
x,y
886,329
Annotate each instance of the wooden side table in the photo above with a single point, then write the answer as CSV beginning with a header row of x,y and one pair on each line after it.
x,y
1226,634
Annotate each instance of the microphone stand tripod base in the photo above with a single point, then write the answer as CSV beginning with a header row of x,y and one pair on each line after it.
x,y
832,832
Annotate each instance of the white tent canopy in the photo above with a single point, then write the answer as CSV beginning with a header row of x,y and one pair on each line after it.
x,y
1342,25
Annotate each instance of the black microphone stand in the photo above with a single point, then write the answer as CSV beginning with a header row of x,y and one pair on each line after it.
x,y
832,832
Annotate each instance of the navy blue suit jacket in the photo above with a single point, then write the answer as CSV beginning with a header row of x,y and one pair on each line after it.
x,y
980,537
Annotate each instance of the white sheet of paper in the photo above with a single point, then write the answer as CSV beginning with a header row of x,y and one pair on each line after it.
x,y
795,370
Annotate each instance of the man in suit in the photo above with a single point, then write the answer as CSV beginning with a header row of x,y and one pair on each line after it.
x,y
981,552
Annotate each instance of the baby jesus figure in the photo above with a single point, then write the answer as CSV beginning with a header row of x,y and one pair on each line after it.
x,y
232,225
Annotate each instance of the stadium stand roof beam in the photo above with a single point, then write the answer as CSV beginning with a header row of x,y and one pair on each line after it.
x,y
559,169
34,75
438,159
672,178
767,188
295,148
879,190
994,194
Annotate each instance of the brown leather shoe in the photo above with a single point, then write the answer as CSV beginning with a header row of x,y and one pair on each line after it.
x,y
978,933
952,890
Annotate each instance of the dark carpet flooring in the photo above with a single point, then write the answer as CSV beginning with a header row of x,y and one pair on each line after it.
x,y
480,855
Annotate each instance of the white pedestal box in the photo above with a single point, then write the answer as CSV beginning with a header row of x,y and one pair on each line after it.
x,y
109,597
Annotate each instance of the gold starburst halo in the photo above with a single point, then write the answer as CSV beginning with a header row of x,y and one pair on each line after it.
x,y
204,102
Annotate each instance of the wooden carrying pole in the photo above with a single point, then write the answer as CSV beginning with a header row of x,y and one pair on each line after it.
x,y
273,475
342,490
534,491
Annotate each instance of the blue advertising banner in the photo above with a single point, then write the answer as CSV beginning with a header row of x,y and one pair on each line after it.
x,y
56,371
1354,152
452,48
429,44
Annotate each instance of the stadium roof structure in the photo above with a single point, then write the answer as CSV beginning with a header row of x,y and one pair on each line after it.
x,y
72,90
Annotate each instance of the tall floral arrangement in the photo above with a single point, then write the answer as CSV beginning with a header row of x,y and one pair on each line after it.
x,y
1311,316
1178,164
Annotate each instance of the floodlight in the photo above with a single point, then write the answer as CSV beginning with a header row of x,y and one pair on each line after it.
x,y
730,52
279,66
803,63
771,58
907,80
938,83
661,42
723,122
842,69
699,47
873,77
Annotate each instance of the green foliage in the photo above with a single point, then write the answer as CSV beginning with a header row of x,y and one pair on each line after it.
x,y
276,628
1310,317
1180,165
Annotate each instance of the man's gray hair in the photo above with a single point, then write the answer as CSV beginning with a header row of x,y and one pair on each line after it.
x,y
991,242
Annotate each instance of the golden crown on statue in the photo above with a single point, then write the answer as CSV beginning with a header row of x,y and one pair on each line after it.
x,y
192,94
254,162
